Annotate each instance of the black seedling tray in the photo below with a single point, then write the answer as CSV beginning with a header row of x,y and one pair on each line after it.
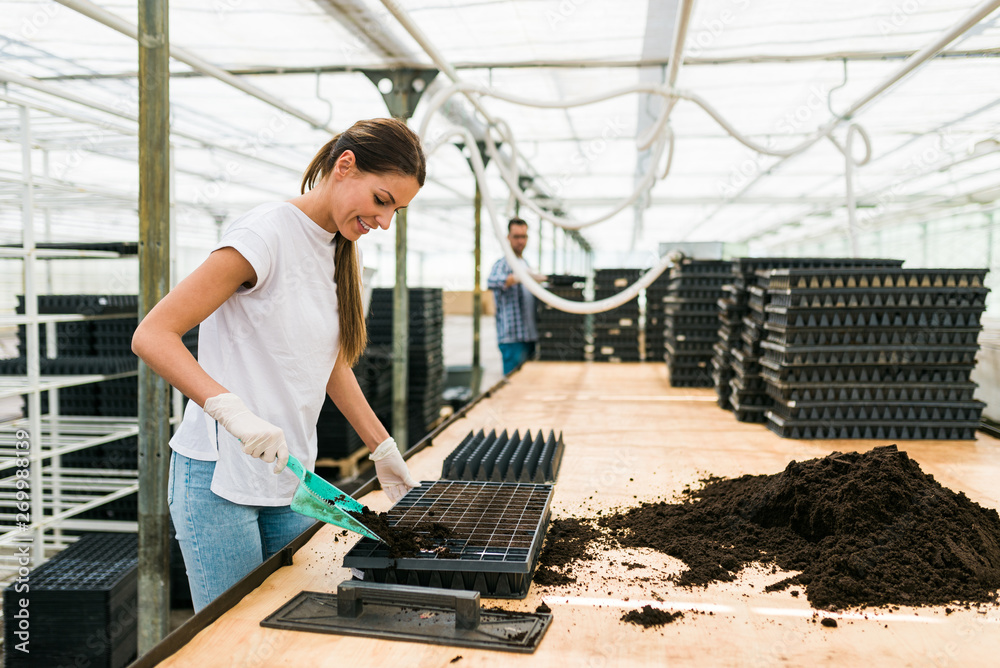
x,y
926,298
497,531
868,336
959,318
788,356
692,266
488,457
848,278
888,430
750,265
908,373
826,392
880,412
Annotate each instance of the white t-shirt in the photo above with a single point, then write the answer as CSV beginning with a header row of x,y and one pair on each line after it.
x,y
274,346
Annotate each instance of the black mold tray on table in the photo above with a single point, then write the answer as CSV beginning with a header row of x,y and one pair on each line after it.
x,y
503,458
496,536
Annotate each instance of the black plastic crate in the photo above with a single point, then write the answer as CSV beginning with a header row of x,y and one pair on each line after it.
x,y
496,528
939,431
82,604
503,458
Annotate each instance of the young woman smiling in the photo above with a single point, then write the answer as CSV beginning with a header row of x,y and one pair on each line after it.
x,y
282,323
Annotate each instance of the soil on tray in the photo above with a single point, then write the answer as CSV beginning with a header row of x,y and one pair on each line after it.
x,y
865,529
406,542
649,616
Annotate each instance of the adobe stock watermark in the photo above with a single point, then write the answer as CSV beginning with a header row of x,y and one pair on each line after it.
x,y
21,618
713,28
898,15
562,12
916,165
791,123
589,153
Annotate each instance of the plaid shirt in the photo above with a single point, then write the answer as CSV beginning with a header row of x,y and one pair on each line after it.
x,y
515,307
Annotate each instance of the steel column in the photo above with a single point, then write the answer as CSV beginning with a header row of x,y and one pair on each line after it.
x,y
477,293
154,283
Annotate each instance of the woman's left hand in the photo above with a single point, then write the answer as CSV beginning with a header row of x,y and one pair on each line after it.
x,y
392,472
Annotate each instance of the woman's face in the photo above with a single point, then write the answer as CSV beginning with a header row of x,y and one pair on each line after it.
x,y
363,201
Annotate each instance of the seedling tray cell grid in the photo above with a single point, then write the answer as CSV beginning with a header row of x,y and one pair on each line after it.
x,y
496,536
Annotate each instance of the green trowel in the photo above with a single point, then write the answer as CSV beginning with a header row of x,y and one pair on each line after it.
x,y
315,497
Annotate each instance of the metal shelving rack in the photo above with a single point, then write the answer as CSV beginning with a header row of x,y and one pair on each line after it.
x,y
58,494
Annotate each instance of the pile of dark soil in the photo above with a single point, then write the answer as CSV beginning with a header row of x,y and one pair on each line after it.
x,y
649,616
863,530
566,541
404,542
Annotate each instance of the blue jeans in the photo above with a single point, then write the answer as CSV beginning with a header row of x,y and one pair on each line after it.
x,y
222,541
514,354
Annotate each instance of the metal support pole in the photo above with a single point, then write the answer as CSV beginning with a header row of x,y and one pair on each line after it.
x,y
33,351
401,90
477,298
400,338
154,283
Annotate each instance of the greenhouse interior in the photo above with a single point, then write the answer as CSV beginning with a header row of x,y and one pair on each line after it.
x,y
672,340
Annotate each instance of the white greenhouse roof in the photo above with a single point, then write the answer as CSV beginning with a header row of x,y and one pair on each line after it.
x,y
775,71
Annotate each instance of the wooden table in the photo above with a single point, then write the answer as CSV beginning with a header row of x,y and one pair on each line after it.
x,y
630,437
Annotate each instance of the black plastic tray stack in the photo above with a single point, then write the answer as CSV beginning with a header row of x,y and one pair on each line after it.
x,y
616,332
425,370
89,347
655,294
561,335
82,606
742,318
336,438
691,319
873,353
496,528
503,458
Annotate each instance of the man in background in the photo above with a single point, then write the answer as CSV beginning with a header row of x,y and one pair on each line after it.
x,y
515,306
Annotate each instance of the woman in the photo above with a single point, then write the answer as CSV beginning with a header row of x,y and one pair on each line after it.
x,y
279,302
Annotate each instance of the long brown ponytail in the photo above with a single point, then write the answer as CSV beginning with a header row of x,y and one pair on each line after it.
x,y
379,145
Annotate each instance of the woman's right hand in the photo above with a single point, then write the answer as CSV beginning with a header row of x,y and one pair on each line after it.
x,y
260,438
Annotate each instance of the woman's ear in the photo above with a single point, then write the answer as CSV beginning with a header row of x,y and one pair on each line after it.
x,y
344,164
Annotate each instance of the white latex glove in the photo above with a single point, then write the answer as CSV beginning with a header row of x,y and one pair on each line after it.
x,y
391,470
260,438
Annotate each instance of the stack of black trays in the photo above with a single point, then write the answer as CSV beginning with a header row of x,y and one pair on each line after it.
x,y
691,320
89,347
336,437
738,383
657,291
81,606
616,332
561,335
879,353
425,370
